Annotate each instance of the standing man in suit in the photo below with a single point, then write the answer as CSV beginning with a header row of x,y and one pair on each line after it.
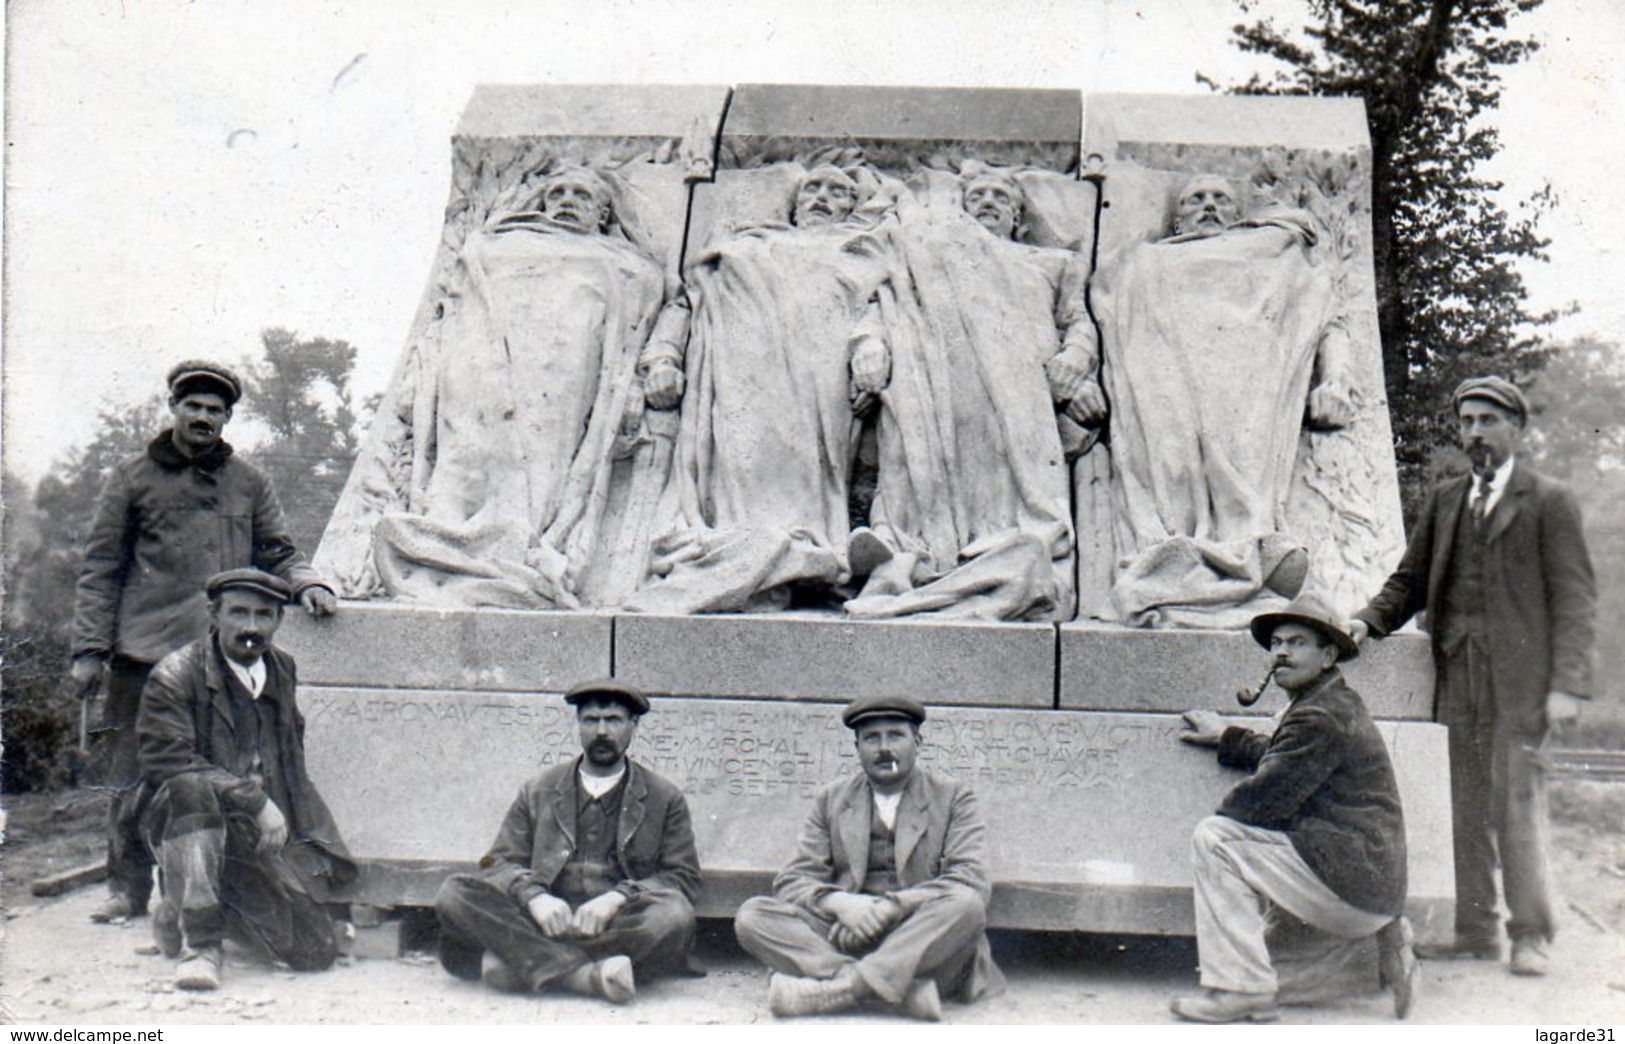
x,y
1498,560
886,898
592,877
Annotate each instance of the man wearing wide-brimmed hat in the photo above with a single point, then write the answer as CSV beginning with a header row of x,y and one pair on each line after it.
x,y
244,843
591,882
886,899
168,518
1316,829
1498,560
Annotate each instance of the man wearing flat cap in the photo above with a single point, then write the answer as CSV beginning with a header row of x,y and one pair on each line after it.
x,y
1498,561
591,882
168,518
886,899
244,843
1316,830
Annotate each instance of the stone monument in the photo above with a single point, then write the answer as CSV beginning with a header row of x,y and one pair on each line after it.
x,y
763,398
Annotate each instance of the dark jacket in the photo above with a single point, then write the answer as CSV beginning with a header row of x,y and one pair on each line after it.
x,y
1324,779
164,524
1540,594
654,836
186,726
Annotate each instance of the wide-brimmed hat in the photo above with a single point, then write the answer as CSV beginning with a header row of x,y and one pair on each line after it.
x,y
609,689
248,579
1311,611
864,708
1497,390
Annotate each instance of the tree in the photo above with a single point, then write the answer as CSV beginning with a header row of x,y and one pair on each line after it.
x,y
300,390
1450,300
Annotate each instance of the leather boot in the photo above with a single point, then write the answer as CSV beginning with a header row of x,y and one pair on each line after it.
x,y
789,995
610,978
1396,960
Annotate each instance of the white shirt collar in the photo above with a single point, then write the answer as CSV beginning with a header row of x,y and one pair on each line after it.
x,y
886,806
253,678
1498,484
598,786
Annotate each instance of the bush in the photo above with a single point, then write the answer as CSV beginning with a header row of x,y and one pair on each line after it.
x,y
39,718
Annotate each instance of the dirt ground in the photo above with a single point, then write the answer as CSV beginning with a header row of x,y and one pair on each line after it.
x,y
56,968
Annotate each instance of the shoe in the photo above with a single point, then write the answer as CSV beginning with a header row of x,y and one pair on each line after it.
x,y
166,928
1529,956
1460,950
922,1002
1396,960
610,978
497,974
1217,1006
117,909
199,969
789,995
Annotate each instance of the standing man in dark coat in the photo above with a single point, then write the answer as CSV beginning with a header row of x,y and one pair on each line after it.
x,y
1498,560
592,877
886,899
1317,829
167,520
244,843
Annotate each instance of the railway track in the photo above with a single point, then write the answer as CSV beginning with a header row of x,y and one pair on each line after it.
x,y
1604,765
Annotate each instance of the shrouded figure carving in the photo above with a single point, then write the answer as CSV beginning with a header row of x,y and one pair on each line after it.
x,y
973,494
784,343
519,400
1214,338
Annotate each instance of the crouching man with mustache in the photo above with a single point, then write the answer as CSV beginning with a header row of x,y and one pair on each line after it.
x,y
243,842
1316,829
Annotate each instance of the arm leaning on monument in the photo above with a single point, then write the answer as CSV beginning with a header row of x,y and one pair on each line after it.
x,y
1073,372
1301,756
273,550
660,364
1404,593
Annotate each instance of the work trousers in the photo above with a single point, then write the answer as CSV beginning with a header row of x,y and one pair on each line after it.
x,y
209,870
1498,806
938,940
118,756
1239,870
655,929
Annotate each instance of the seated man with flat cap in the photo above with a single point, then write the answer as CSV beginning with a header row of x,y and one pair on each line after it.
x,y
592,879
886,898
243,842
1316,830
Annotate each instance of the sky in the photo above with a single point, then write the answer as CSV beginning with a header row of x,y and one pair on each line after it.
x,y
181,176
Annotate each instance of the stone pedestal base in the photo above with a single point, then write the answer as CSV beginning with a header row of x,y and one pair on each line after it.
x,y
1089,810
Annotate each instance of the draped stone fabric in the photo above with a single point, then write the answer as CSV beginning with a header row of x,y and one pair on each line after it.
x,y
517,404
1209,350
973,491
757,498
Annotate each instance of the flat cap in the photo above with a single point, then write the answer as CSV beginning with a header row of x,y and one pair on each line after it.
x,y
1497,390
863,708
199,375
609,689
249,580
1310,611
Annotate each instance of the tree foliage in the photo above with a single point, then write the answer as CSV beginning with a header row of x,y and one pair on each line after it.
x,y
300,390
298,424
1450,300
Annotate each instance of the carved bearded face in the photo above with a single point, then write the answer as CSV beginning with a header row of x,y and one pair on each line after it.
x,y
1207,206
576,200
826,195
995,204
